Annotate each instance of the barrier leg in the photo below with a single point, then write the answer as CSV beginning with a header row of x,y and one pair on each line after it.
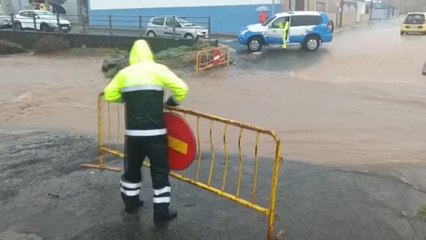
x,y
101,161
101,165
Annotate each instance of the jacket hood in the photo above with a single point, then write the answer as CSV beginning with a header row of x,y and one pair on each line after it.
x,y
140,52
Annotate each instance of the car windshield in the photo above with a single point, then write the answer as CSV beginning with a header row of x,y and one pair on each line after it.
x,y
185,22
269,21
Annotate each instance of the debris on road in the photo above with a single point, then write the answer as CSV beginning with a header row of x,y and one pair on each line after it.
x,y
177,58
53,196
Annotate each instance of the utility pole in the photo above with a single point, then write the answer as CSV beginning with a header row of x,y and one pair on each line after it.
x,y
389,7
400,7
341,13
371,10
273,7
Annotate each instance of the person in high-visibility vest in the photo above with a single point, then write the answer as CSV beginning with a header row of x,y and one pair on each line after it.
x,y
285,25
140,87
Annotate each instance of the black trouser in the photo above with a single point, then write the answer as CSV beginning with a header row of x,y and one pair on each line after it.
x,y
136,149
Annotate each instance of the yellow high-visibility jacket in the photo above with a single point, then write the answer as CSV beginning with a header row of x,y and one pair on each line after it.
x,y
285,26
141,87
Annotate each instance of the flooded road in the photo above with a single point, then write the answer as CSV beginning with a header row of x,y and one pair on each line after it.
x,y
351,117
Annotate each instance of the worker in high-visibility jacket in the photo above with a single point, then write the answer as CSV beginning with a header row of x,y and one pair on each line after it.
x,y
140,87
285,25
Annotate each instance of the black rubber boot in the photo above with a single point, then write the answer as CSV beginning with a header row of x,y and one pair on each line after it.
x,y
165,216
133,209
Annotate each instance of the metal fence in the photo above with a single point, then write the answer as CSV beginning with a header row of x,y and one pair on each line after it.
x,y
150,26
234,160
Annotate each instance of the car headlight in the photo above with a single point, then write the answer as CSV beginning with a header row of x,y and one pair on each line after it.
x,y
243,32
201,32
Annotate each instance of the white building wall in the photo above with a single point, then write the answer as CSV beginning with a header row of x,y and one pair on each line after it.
x,y
361,8
71,7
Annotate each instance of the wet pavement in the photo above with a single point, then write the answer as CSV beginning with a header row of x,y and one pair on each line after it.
x,y
351,117
46,195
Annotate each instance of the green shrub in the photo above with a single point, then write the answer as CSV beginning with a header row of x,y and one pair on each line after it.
x,y
7,47
422,212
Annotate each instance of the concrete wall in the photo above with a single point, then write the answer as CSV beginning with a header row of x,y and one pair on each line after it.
x,y
380,14
362,6
349,14
332,6
320,5
364,18
28,40
71,7
385,13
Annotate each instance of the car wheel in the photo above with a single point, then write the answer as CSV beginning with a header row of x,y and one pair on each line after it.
x,y
17,25
151,34
255,44
402,33
188,36
311,43
44,28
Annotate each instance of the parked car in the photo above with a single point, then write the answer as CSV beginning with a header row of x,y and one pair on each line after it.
x,y
167,26
414,22
45,21
308,29
5,20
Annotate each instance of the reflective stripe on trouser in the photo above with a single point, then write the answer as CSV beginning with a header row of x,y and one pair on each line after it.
x,y
155,148
130,192
161,198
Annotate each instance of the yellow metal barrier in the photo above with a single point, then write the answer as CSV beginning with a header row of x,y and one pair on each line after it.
x,y
230,143
211,58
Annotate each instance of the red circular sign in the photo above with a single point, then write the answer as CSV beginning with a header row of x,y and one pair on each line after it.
x,y
181,141
217,57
